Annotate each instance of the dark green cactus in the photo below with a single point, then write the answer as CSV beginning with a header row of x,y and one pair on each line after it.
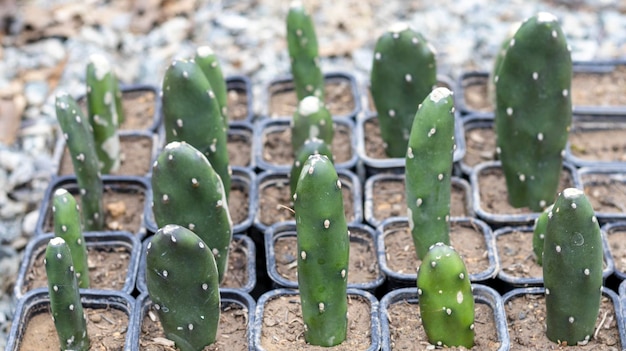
x,y
79,138
303,52
539,234
207,60
429,170
491,87
67,310
323,247
182,282
534,111
572,269
192,114
187,191
104,106
312,146
67,226
311,120
403,72
445,298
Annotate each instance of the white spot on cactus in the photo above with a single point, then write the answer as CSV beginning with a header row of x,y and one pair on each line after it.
x,y
338,184
408,78
509,111
522,178
343,273
205,286
419,202
535,75
448,311
573,205
108,98
71,307
59,256
194,182
440,176
414,40
496,78
303,255
321,307
558,249
545,17
295,197
431,132
461,275
542,203
211,94
310,170
409,152
439,93
149,245
398,27
540,136
571,320
377,56
190,326
586,271
81,157
439,343
554,34
204,51
64,228
392,113
547,291
179,123
433,264
299,32
459,297
165,199
165,273
55,288
157,306
309,105
498,150
185,74
173,238
101,66
594,219
512,42
326,223
215,252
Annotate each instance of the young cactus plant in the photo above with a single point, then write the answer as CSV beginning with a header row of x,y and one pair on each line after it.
x,y
67,226
182,282
323,247
192,114
104,106
311,146
311,120
445,298
572,269
207,60
303,52
539,234
403,72
429,170
187,191
80,142
534,111
67,310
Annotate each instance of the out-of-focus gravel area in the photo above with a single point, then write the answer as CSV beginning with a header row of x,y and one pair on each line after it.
x,y
44,45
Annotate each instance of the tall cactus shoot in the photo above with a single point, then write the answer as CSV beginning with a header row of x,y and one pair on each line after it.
x,y
79,138
429,170
182,282
311,120
311,147
208,62
534,109
67,225
187,191
572,269
67,310
323,249
445,298
303,52
104,106
192,114
403,73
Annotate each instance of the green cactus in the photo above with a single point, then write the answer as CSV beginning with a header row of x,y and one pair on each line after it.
x,y
67,310
303,52
79,138
323,246
572,269
104,106
312,146
192,114
207,60
428,188
491,85
445,298
67,226
311,120
403,73
182,282
187,191
534,111
539,234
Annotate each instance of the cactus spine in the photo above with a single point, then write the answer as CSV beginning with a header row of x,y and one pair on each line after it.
x,y
303,52
207,60
429,170
187,191
67,226
572,269
403,72
192,114
80,142
539,234
311,120
534,109
182,282
445,298
312,146
323,246
104,106
65,305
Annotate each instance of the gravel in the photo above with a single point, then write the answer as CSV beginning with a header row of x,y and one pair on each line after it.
x,y
48,43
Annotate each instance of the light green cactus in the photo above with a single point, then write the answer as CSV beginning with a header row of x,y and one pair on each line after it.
x,y
572,269
67,310
311,120
323,247
539,234
534,111
79,138
429,170
66,215
182,282
208,62
445,298
403,73
187,191
312,146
